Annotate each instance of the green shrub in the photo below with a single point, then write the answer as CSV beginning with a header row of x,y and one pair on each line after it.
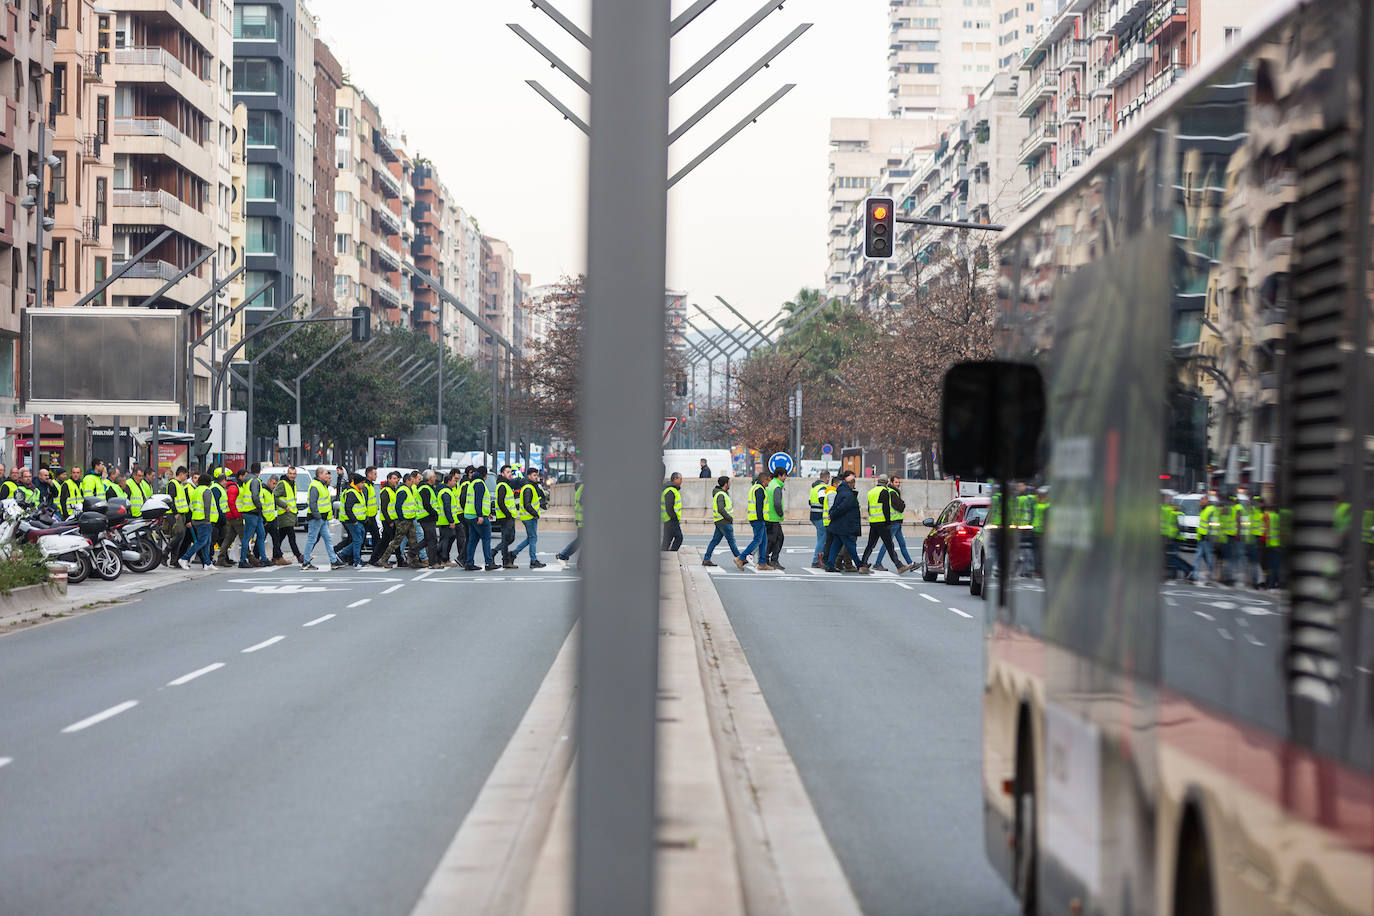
x,y
21,567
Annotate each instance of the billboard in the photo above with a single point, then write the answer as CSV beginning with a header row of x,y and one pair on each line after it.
x,y
93,360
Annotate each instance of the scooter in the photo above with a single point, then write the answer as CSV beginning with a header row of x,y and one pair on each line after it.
x,y
134,536
64,546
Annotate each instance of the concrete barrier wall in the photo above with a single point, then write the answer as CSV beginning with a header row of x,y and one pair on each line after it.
x,y
924,498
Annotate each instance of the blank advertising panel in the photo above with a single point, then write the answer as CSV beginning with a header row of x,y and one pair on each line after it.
x,y
103,361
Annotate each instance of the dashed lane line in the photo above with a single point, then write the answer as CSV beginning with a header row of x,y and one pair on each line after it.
x,y
6,760
930,597
909,588
100,717
961,613
264,644
188,678
318,620
360,602
393,588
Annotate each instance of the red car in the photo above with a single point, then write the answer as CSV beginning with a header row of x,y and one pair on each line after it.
x,y
948,548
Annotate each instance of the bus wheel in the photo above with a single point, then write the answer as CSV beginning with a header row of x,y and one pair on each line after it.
x,y
1193,891
1026,854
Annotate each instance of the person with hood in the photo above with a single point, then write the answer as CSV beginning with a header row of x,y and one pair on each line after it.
x,y
845,520
722,512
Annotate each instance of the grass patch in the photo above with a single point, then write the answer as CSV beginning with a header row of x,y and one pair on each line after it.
x,y
22,567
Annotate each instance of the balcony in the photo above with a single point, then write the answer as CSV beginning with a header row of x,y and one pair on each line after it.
x,y
1072,157
149,269
1041,88
93,67
1127,63
90,148
90,230
387,259
7,217
381,144
9,27
186,15
390,295
1074,53
1122,15
151,136
1072,107
388,223
9,115
158,208
1040,139
125,197
1037,187
1164,19
385,182
160,66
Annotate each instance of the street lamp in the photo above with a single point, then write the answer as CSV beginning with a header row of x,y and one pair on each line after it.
x,y
44,223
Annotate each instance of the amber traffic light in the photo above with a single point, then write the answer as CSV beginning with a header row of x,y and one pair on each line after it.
x,y
878,225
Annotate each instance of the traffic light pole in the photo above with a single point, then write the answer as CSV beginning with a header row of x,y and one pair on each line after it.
x,y
948,223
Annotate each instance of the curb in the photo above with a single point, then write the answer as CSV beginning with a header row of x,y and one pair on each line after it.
x,y
786,861
14,611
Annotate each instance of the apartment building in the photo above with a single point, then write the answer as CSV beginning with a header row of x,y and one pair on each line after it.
x,y
266,81
328,82
429,245
498,292
861,149
469,290
27,47
940,53
406,169
367,207
81,102
1095,67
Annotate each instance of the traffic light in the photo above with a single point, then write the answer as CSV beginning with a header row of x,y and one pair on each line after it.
x,y
201,448
878,225
362,324
681,384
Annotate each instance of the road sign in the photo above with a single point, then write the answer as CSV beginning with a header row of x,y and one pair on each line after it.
x,y
668,424
781,461
289,435
827,451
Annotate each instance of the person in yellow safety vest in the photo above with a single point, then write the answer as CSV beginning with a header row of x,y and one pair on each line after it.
x,y
10,484
204,512
774,511
754,512
894,522
670,512
504,512
24,491
723,514
139,491
1208,531
283,501
1171,534
477,509
1341,522
69,493
93,484
879,524
404,510
319,509
353,515
531,507
1231,547
372,522
114,486
175,523
251,497
1268,534
571,549
387,512
460,524
221,504
815,501
446,512
426,500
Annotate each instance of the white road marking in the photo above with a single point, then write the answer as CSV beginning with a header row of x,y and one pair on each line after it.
x,y
424,575
909,588
388,591
318,620
1171,602
360,602
1253,641
187,678
930,597
1204,615
264,644
1364,670
100,717
6,760
816,572
283,589
1224,605
961,613
1225,634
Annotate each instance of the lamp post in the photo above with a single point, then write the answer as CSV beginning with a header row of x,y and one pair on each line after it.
x,y
36,199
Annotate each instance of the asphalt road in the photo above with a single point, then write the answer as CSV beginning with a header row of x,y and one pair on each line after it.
x,y
876,684
262,741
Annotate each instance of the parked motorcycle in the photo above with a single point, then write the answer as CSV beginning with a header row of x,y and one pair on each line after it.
x,y
63,545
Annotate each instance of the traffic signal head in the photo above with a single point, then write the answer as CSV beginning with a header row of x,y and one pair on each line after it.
x,y
201,447
878,227
362,324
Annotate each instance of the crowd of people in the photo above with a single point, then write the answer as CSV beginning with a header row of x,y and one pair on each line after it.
x,y
834,512
420,519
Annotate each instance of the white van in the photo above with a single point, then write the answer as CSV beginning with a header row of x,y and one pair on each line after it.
x,y
687,462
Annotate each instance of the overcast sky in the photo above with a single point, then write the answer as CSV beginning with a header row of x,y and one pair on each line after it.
x,y
452,77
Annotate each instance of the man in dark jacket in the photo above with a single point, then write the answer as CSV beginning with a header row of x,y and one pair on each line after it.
x,y
845,520
722,512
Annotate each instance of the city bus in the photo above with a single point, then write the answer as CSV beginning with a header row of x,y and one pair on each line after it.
x,y
1192,306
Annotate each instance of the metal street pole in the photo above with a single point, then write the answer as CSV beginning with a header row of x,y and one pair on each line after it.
x,y
439,389
41,211
621,422
736,313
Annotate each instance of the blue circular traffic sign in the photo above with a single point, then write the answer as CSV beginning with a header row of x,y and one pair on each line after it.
x,y
827,451
781,461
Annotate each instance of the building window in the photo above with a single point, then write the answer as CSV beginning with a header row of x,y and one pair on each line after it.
x,y
343,117
59,9
102,118
1230,35
927,46
341,284
262,181
59,87
99,276
59,178
255,22
925,68
263,129
343,201
254,280
256,75
262,235
342,242
101,194
57,263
